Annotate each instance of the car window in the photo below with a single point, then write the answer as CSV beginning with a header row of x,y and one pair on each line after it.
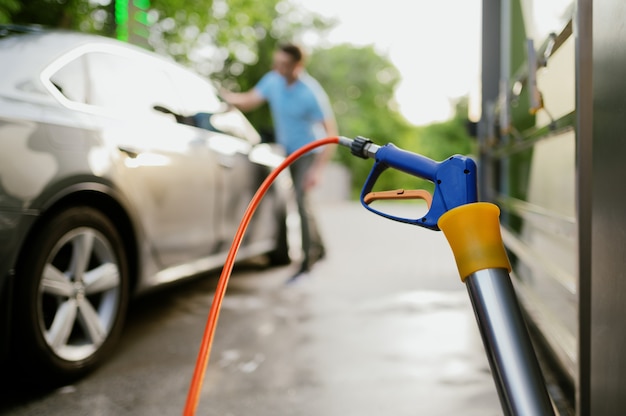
x,y
70,80
236,124
197,94
131,85
201,103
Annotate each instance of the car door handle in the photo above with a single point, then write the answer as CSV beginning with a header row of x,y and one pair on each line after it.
x,y
133,153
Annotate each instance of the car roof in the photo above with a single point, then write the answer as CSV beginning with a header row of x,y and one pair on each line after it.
x,y
30,49
41,46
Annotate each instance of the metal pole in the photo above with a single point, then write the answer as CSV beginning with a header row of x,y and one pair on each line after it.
x,y
507,343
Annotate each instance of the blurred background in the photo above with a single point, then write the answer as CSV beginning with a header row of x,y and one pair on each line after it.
x,y
394,73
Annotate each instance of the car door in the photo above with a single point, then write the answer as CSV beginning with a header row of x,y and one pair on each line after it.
x,y
232,141
165,165
249,163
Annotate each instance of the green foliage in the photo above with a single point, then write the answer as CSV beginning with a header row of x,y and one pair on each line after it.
x,y
206,33
439,141
361,85
7,9
83,15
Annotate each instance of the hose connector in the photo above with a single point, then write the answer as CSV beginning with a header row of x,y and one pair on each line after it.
x,y
360,146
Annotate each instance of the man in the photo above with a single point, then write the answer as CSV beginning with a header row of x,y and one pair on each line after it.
x,y
301,113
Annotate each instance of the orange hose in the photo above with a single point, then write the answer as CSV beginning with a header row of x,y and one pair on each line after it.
x,y
193,395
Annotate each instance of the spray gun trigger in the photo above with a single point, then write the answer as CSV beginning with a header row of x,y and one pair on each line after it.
x,y
399,194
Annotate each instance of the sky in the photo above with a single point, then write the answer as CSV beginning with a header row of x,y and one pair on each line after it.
x,y
435,45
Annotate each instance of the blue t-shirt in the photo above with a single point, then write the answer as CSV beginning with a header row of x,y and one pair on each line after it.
x,y
297,109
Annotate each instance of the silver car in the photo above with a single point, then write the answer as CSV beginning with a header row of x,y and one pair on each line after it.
x,y
120,171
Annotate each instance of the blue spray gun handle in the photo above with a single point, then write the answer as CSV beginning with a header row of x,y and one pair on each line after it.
x,y
454,178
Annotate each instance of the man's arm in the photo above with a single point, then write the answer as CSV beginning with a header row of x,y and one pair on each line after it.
x,y
245,101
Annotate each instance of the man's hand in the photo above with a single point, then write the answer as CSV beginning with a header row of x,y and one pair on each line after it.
x,y
313,177
245,101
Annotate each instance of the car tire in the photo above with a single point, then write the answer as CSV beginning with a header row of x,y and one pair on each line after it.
x,y
72,290
280,255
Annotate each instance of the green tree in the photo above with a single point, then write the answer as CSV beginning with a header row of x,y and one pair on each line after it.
x,y
441,140
221,38
83,15
7,9
361,85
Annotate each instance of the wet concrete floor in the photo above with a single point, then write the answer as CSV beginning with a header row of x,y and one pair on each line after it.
x,y
382,326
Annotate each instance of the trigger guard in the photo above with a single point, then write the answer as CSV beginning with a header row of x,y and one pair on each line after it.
x,y
377,169
425,221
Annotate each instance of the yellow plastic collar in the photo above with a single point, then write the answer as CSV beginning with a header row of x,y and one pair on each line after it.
x,y
473,232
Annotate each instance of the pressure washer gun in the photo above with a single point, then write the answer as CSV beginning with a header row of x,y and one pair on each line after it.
x,y
454,179
473,231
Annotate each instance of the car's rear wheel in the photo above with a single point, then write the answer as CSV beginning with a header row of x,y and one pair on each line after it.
x,y
72,294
